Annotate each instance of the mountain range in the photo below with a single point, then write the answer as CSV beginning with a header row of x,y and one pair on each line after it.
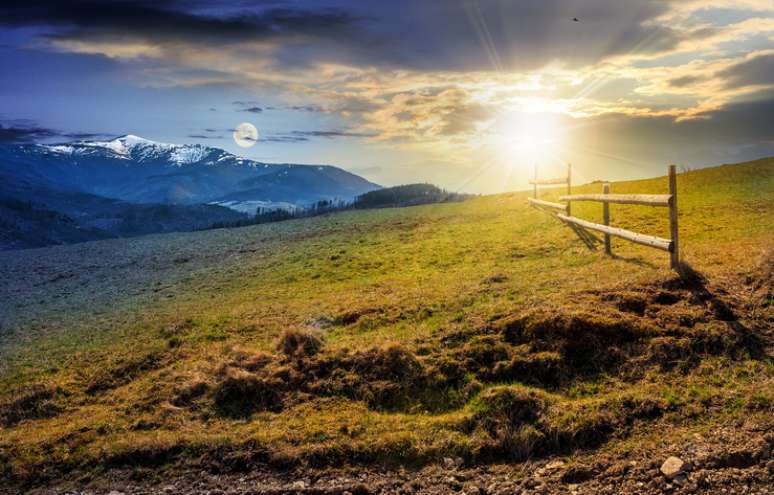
x,y
53,194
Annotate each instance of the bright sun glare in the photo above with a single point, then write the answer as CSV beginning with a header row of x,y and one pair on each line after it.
x,y
527,139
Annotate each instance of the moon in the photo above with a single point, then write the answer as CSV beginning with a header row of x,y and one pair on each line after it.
x,y
245,135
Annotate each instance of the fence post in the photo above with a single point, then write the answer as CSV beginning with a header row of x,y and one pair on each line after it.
x,y
535,193
569,186
606,217
675,252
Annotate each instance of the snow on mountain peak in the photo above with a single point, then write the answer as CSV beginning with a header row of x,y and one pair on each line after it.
x,y
132,140
132,146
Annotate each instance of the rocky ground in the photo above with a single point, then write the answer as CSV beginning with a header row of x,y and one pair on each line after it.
x,y
736,459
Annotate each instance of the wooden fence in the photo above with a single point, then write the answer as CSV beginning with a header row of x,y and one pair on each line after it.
x,y
662,200
551,182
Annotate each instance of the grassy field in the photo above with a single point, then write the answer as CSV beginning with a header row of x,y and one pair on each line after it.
x,y
484,329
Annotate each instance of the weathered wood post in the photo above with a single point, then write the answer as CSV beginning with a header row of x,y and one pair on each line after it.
x,y
675,246
535,193
569,186
606,217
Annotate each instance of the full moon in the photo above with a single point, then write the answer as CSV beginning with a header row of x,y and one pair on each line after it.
x,y
245,135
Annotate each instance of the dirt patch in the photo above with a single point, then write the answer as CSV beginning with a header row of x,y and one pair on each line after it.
x,y
727,460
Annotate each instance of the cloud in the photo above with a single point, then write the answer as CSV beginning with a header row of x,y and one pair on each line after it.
x,y
25,131
252,109
165,21
284,139
758,70
204,136
687,80
404,34
305,108
305,136
331,134
10,133
298,108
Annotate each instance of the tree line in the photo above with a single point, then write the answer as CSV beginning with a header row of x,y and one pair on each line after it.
x,y
388,197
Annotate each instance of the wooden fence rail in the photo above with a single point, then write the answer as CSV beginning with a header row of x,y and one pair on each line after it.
x,y
549,204
626,199
645,240
668,200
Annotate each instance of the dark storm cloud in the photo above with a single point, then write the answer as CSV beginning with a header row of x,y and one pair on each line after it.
x,y
494,34
11,133
738,132
423,35
170,21
24,131
757,70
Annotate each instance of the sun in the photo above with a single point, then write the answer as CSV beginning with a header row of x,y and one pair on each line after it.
x,y
528,139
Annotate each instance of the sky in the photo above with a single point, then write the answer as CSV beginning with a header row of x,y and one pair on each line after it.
x,y
472,95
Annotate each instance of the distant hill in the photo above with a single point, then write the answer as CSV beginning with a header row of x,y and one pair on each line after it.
x,y
25,225
388,197
406,195
35,216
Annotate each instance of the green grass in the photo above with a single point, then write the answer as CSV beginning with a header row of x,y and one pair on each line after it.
x,y
129,328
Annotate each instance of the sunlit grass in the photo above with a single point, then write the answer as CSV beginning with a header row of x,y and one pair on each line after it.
x,y
366,278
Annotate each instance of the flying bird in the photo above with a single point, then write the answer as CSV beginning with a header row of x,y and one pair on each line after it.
x,y
575,19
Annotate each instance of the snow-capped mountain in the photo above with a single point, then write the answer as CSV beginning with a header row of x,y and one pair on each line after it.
x,y
131,147
135,169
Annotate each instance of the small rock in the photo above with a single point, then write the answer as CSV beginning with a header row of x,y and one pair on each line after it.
x,y
672,467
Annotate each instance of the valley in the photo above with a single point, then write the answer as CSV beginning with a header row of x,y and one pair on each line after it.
x,y
130,186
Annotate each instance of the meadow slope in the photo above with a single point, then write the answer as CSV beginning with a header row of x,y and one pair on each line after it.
x,y
484,331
